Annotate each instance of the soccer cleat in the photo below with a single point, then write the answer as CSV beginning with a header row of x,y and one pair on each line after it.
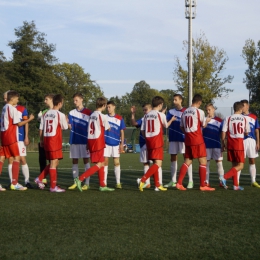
x,y
39,184
73,186
106,189
29,185
17,186
190,185
180,187
78,183
161,188
156,189
119,186
170,184
255,184
56,189
44,181
238,188
206,188
140,184
223,182
1,188
85,187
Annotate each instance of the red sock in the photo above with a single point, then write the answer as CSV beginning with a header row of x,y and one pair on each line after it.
x,y
202,173
101,177
53,177
152,170
232,172
15,172
156,179
183,171
1,166
44,173
88,172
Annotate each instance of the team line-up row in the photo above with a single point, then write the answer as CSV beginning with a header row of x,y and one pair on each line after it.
x,y
96,137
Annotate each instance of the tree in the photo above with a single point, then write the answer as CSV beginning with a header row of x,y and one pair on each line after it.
x,y
251,54
208,66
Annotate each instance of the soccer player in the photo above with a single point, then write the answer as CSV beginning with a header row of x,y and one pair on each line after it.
x,y
96,145
211,134
152,129
176,140
78,125
192,121
52,124
10,121
114,139
235,127
251,142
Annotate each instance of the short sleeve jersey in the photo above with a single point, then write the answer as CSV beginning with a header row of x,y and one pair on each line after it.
x,y
117,124
193,119
9,129
211,133
52,124
96,131
79,125
253,123
153,124
175,132
141,137
23,114
235,126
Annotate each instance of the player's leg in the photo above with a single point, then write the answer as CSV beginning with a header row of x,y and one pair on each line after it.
x,y
86,167
2,160
106,169
117,170
209,157
202,174
53,176
42,157
107,155
10,164
174,166
146,163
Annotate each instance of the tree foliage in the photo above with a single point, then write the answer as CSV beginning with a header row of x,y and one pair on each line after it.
x,y
208,66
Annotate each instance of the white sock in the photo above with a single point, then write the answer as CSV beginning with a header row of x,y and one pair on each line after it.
x,y
252,171
174,171
160,175
146,168
220,169
190,173
75,170
117,174
207,171
106,171
10,171
87,166
238,176
25,171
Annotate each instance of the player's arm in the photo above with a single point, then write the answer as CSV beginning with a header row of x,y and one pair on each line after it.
x,y
223,139
31,117
133,121
122,136
26,134
170,121
257,139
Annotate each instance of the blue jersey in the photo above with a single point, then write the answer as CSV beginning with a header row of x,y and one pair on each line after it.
x,y
79,125
141,137
211,133
175,132
117,124
253,123
23,114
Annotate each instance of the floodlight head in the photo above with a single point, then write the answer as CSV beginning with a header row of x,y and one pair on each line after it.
x,y
193,3
190,8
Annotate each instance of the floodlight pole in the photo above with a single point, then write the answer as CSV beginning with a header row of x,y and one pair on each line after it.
x,y
190,13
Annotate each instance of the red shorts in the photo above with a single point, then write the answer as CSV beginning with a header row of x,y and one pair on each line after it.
x,y
155,154
235,156
52,155
11,150
97,156
195,151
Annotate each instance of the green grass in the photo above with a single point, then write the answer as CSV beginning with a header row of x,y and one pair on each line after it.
x,y
128,224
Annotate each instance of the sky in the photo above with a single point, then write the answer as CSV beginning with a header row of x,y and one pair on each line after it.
x,y
121,42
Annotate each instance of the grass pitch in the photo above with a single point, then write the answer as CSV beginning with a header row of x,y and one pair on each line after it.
x,y
128,224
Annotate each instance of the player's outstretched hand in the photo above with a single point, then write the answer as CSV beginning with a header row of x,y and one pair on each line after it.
x,y
31,117
164,110
133,109
26,141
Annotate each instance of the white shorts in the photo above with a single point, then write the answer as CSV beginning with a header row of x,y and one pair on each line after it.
x,y
214,153
143,154
249,148
22,148
111,151
78,151
176,147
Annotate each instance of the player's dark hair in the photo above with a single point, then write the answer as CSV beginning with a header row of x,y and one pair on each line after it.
x,y
244,101
101,101
11,94
157,100
78,94
147,104
196,99
57,99
178,95
238,106
111,102
50,96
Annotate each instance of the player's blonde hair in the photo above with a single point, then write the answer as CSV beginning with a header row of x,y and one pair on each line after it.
x,y
209,105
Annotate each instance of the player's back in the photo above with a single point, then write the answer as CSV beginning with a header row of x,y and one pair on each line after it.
x,y
253,123
23,114
211,133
